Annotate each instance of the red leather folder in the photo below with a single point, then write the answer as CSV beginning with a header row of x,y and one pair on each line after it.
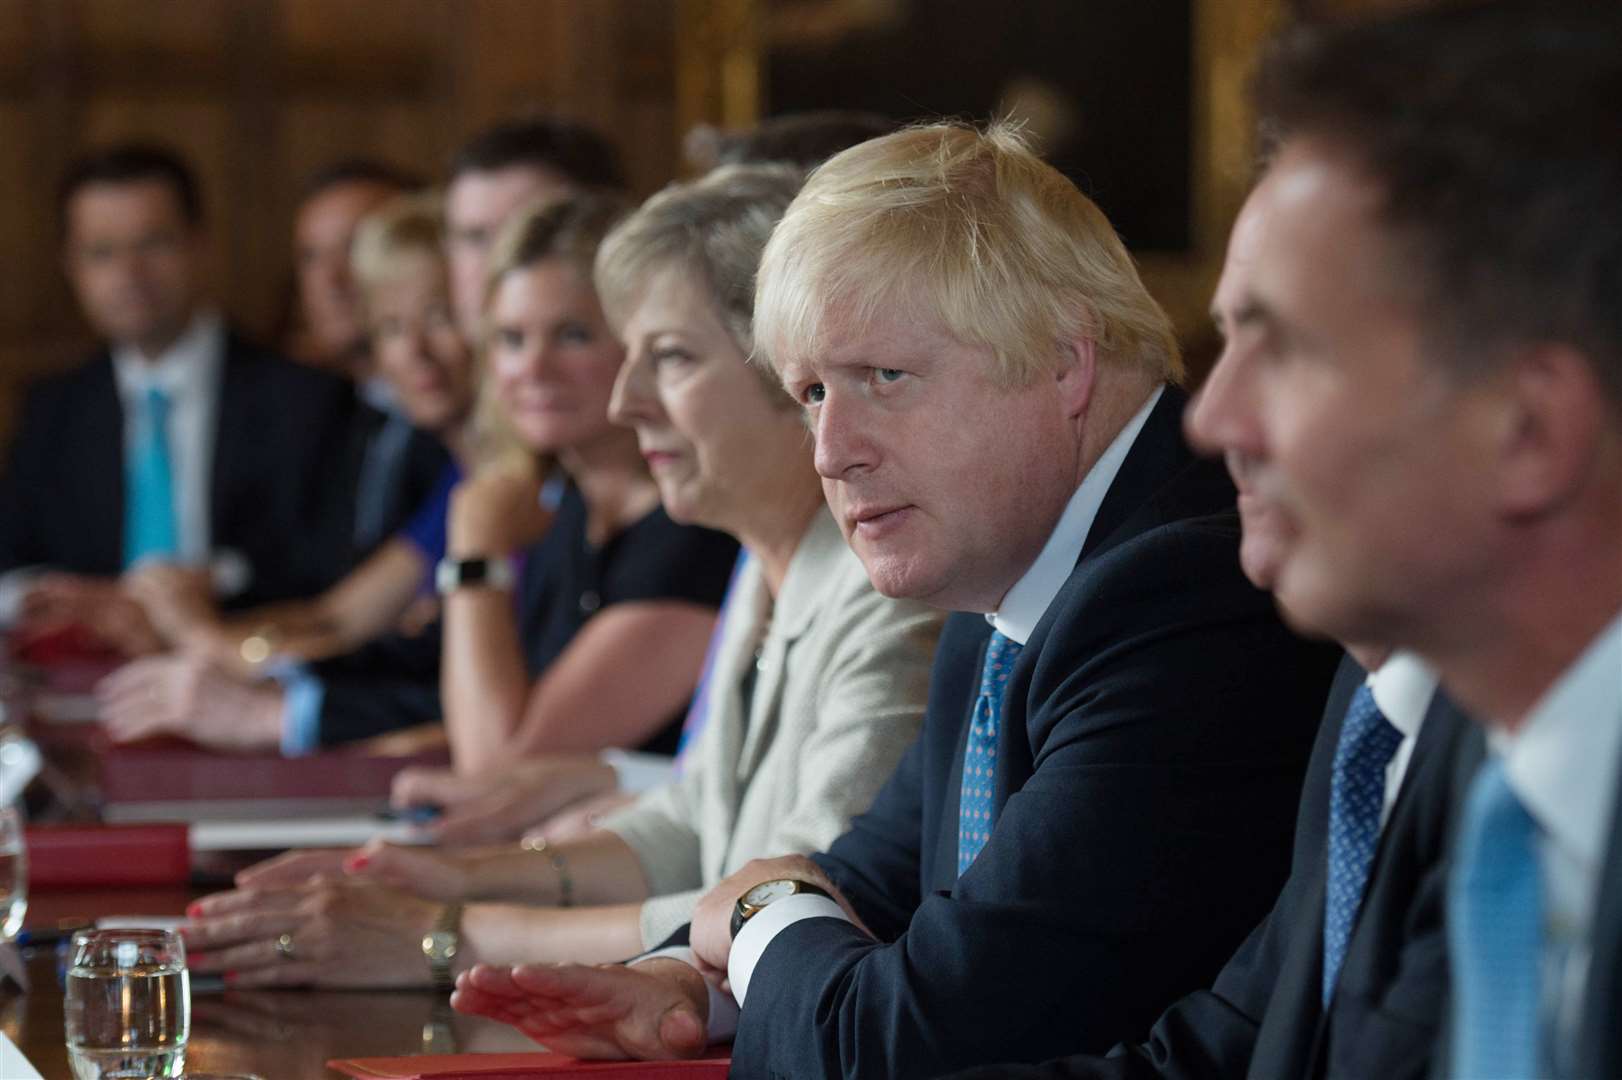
x,y
171,771
62,856
541,1065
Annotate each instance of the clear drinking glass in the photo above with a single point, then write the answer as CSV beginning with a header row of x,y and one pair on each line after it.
x,y
127,1005
13,874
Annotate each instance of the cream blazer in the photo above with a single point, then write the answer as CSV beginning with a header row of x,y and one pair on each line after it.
x,y
840,687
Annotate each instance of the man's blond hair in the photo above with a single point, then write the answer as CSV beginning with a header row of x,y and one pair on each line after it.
x,y
966,227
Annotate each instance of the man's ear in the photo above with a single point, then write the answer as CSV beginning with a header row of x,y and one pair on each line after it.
x,y
1553,418
1078,370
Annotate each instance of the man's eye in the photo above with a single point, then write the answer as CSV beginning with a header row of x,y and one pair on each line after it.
x,y
813,394
889,374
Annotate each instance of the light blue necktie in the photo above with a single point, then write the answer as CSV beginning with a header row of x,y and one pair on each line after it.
x,y
149,487
1356,799
980,759
1495,934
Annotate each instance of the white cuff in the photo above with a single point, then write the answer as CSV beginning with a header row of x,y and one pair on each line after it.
x,y
638,772
756,934
723,1019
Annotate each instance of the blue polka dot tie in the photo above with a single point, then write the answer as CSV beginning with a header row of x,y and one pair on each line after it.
x,y
980,760
1495,934
1356,797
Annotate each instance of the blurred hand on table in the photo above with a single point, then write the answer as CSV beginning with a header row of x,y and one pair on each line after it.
x,y
492,807
185,696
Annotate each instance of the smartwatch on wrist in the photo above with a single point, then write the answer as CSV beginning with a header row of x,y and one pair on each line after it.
x,y
756,899
452,574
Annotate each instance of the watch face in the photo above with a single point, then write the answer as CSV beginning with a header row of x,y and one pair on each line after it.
x,y
441,944
768,891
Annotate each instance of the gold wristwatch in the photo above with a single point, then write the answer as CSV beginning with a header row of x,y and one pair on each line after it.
x,y
440,943
752,902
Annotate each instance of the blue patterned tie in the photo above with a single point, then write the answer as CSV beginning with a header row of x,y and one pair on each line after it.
x,y
149,487
1356,797
1495,933
980,759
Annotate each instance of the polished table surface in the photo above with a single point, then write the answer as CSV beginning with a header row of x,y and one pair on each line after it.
x,y
274,1034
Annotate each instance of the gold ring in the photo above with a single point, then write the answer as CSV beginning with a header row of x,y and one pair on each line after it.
x,y
284,946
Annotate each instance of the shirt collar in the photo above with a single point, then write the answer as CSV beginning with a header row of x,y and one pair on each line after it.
x,y
1563,761
1402,688
1025,604
184,367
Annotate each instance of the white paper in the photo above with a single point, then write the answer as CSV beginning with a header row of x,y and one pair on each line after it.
x,y
13,1066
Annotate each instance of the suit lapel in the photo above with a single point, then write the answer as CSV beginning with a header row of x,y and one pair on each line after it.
x,y
1157,453
234,406
103,475
1599,1047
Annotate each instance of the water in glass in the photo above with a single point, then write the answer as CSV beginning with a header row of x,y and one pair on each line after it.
x,y
127,1004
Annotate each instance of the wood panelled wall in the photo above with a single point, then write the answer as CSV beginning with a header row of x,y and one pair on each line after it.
x,y
260,93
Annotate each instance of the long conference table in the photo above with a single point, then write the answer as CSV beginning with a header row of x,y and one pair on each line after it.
x,y
275,1035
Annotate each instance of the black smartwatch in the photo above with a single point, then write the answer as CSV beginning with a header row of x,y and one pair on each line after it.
x,y
453,574
752,902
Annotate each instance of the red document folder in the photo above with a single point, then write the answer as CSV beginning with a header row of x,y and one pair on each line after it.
x,y
519,1066
65,856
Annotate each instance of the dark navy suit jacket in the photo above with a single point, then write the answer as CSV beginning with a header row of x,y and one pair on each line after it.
x,y
281,430
1263,1017
1157,727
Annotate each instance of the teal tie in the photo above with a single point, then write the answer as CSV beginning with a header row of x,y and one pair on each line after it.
x,y
150,529
1495,934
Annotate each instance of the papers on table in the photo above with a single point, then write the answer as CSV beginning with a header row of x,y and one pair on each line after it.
x,y
13,1066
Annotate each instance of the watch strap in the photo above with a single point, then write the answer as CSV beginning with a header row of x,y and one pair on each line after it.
x,y
440,945
452,574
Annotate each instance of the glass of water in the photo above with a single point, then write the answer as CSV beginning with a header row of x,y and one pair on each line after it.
x,y
127,1004
13,874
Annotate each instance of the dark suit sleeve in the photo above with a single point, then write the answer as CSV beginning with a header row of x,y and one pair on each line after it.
x,y
22,478
388,684
1213,1032
1169,717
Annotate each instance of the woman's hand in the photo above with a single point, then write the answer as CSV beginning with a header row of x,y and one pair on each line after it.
x,y
343,934
497,511
421,872
486,808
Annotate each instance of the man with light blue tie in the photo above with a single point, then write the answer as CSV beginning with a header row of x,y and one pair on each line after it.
x,y
1433,404
179,441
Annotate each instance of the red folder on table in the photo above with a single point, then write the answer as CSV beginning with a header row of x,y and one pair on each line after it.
x,y
540,1065
99,855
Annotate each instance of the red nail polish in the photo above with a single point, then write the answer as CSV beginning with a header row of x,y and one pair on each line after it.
x,y
194,909
357,862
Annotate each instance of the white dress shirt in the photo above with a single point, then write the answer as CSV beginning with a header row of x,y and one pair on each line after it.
x,y
1563,764
188,373
1403,687
1016,617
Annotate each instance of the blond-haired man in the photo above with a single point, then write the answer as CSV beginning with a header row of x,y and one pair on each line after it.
x,y
1099,805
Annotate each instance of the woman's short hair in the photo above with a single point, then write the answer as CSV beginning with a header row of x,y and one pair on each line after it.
x,y
713,228
405,225
970,228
